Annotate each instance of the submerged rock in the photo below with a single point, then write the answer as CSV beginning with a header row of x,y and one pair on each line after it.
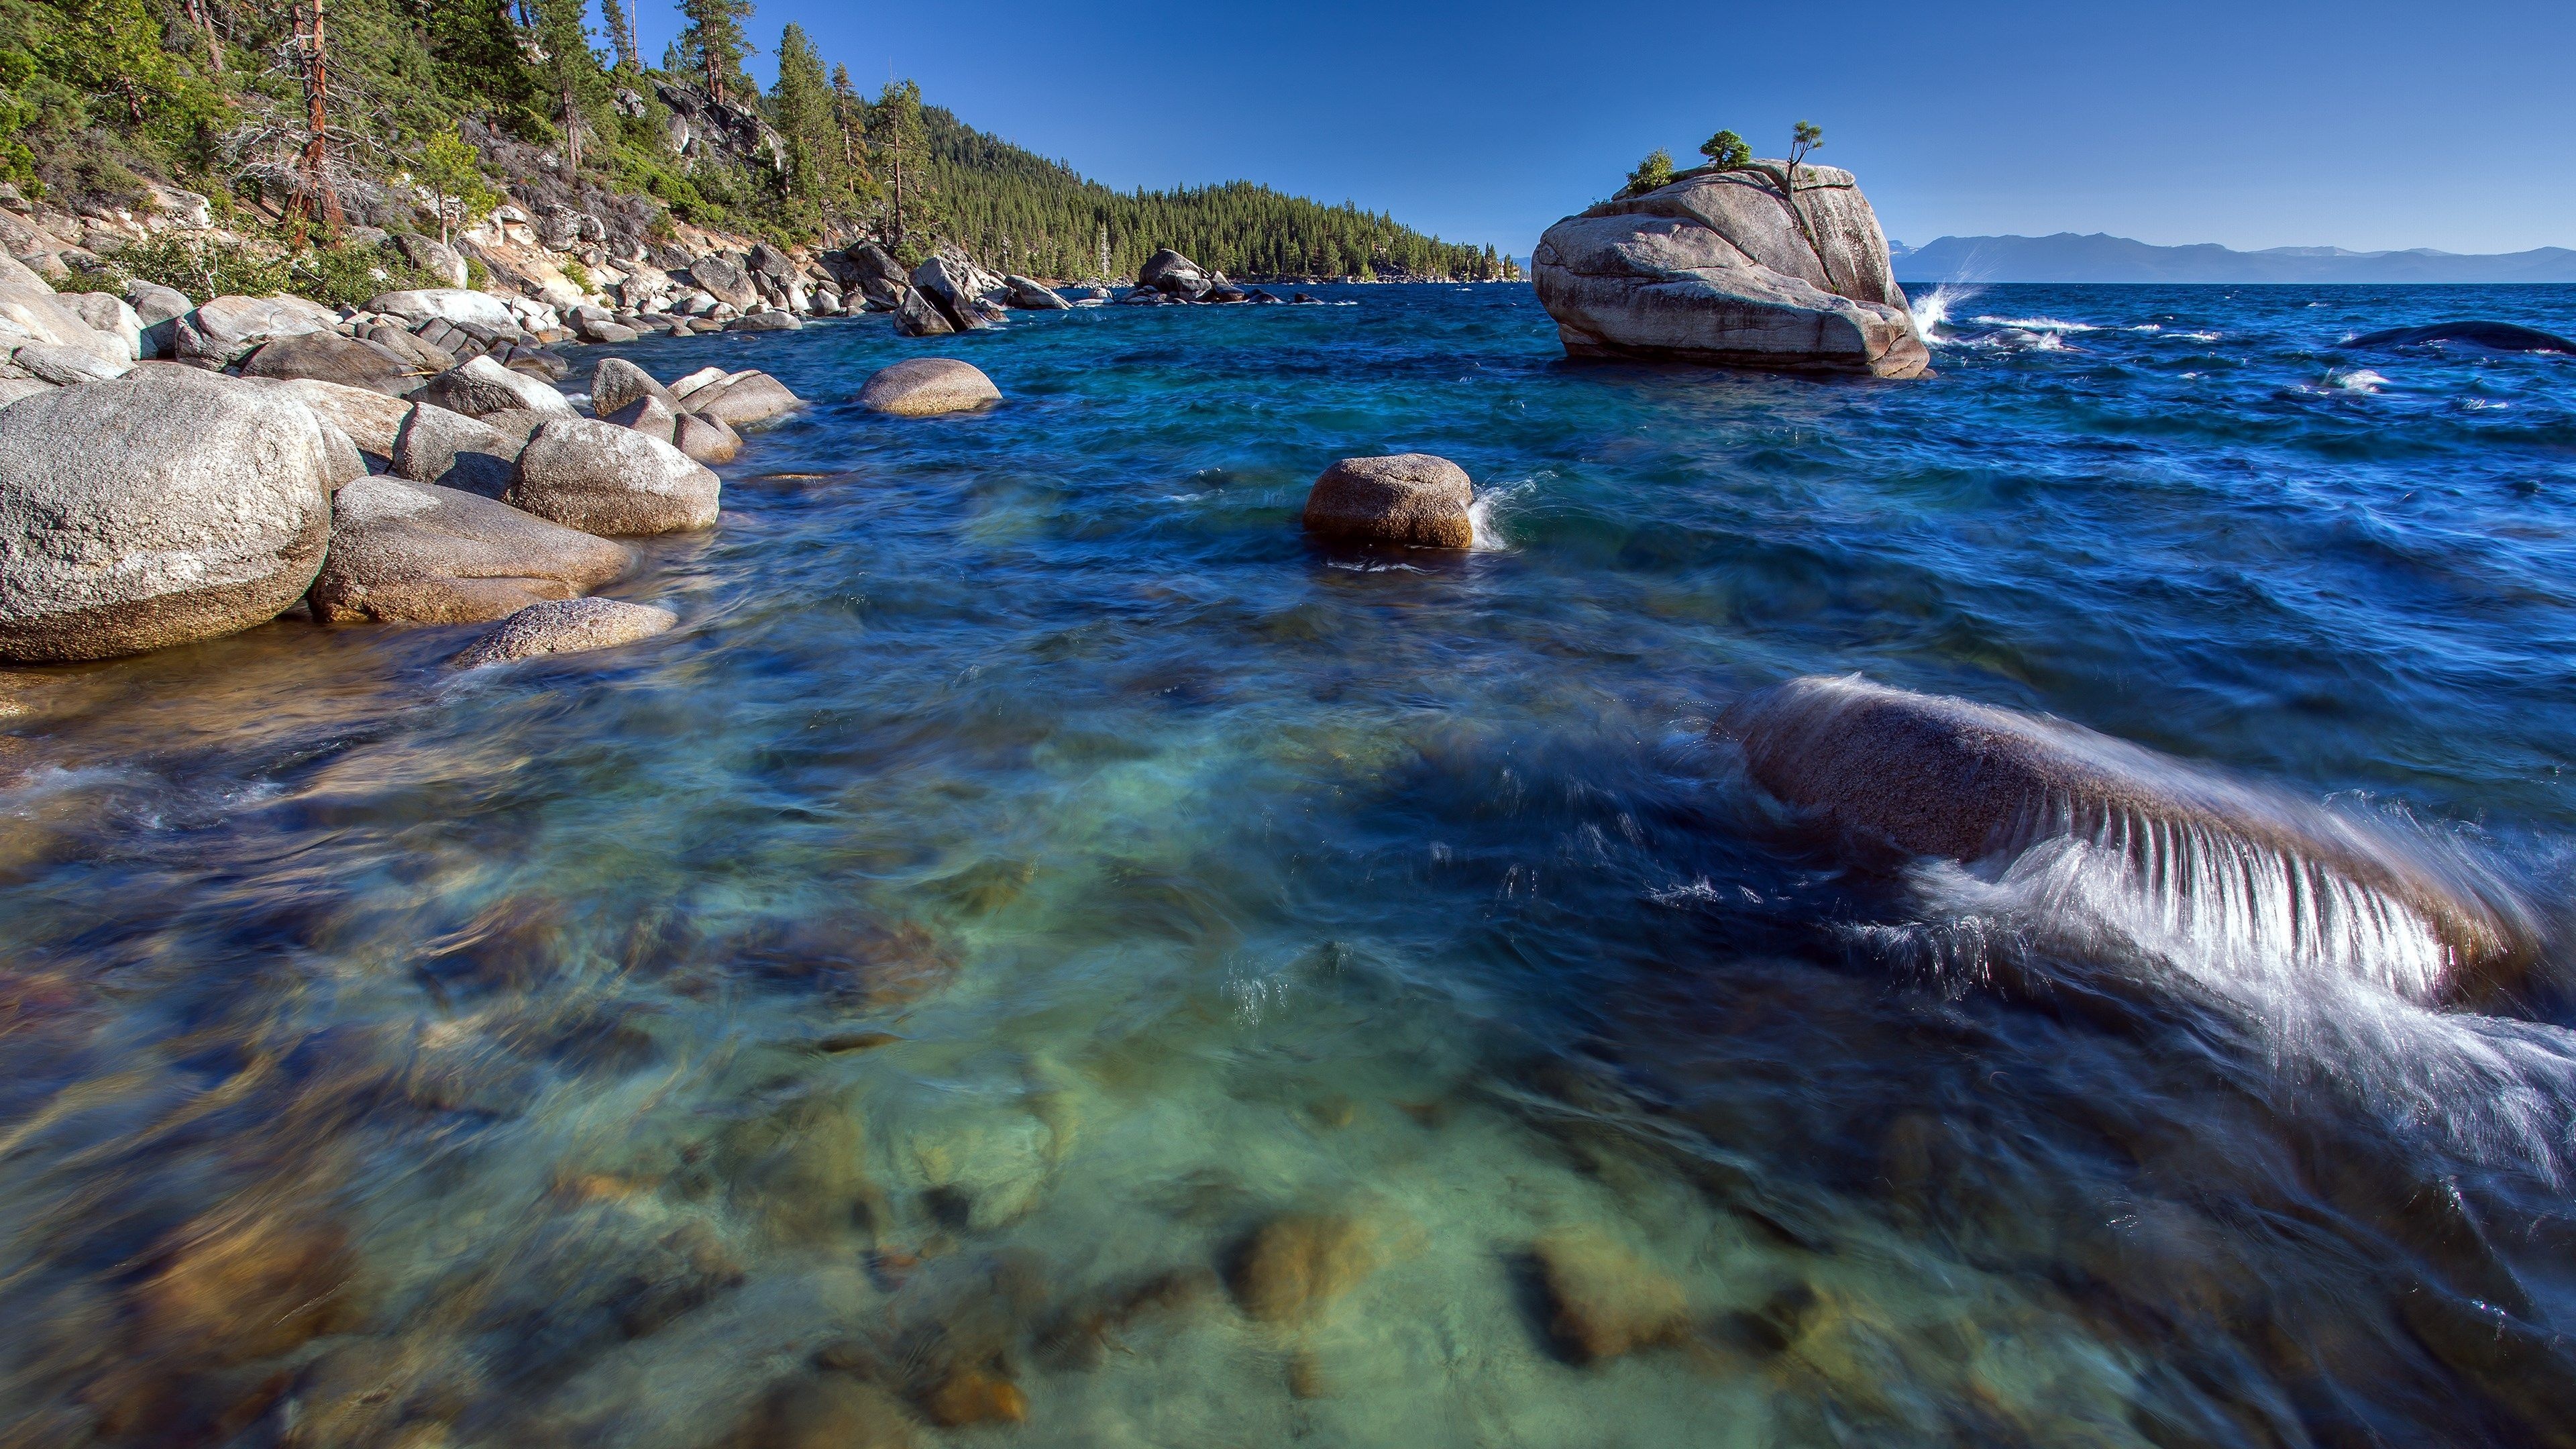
x,y
1603,1301
1413,499
1973,783
1719,268
2494,336
155,510
974,1396
832,1411
416,553
249,1288
1296,1265
568,626
927,386
611,481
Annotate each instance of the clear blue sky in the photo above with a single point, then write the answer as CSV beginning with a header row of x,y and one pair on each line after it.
x,y
2357,124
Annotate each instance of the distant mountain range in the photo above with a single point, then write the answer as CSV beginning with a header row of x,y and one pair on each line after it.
x,y
2068,257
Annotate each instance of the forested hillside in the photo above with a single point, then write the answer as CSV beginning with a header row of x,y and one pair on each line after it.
x,y
305,116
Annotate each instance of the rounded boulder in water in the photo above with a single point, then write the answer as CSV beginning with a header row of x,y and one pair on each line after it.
x,y
925,387
612,481
569,626
1412,499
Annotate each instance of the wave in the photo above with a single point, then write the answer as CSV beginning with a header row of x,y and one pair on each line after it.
x,y
2360,380
1933,312
1481,514
2036,324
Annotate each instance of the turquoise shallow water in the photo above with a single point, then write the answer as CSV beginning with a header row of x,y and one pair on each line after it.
x,y
1045,955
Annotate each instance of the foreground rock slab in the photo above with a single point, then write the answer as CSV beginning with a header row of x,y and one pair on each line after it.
x,y
1415,500
1933,776
1719,268
611,481
415,553
924,387
569,626
157,509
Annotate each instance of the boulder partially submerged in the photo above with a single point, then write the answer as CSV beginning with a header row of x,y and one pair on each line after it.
x,y
1719,267
155,510
2492,336
1413,500
611,481
924,387
1932,776
570,626
416,553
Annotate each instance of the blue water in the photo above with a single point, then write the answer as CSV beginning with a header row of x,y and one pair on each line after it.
x,y
1031,868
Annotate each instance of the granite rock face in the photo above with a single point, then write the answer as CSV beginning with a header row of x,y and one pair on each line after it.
x,y
482,387
416,553
927,386
155,510
1411,499
1717,268
330,357
611,481
617,382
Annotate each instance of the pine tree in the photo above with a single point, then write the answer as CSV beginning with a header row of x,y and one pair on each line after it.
x,y
715,45
902,147
621,35
476,50
571,73
110,47
800,106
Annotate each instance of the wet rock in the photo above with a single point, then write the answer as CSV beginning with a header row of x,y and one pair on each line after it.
x,y
152,511
1084,1332
688,1268
571,626
484,386
1174,275
237,1289
927,386
974,1396
330,357
455,451
773,320
742,399
830,1411
1947,777
1604,1301
706,439
2520,1365
916,316
617,383
1412,499
980,1169
1035,295
1296,1265
416,553
612,481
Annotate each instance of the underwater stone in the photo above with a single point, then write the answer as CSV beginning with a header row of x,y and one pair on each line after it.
x,y
830,1411
1413,499
569,626
973,1396
1295,1265
1604,1301
249,1288
924,387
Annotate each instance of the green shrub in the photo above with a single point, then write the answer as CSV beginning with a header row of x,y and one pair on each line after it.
x,y
337,276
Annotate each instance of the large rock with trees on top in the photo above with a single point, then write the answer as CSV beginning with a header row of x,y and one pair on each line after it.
x,y
161,508
1772,264
416,553
1413,500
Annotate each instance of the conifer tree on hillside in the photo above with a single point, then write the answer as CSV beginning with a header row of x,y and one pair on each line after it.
x,y
573,80
800,106
901,144
621,35
478,58
714,45
856,182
